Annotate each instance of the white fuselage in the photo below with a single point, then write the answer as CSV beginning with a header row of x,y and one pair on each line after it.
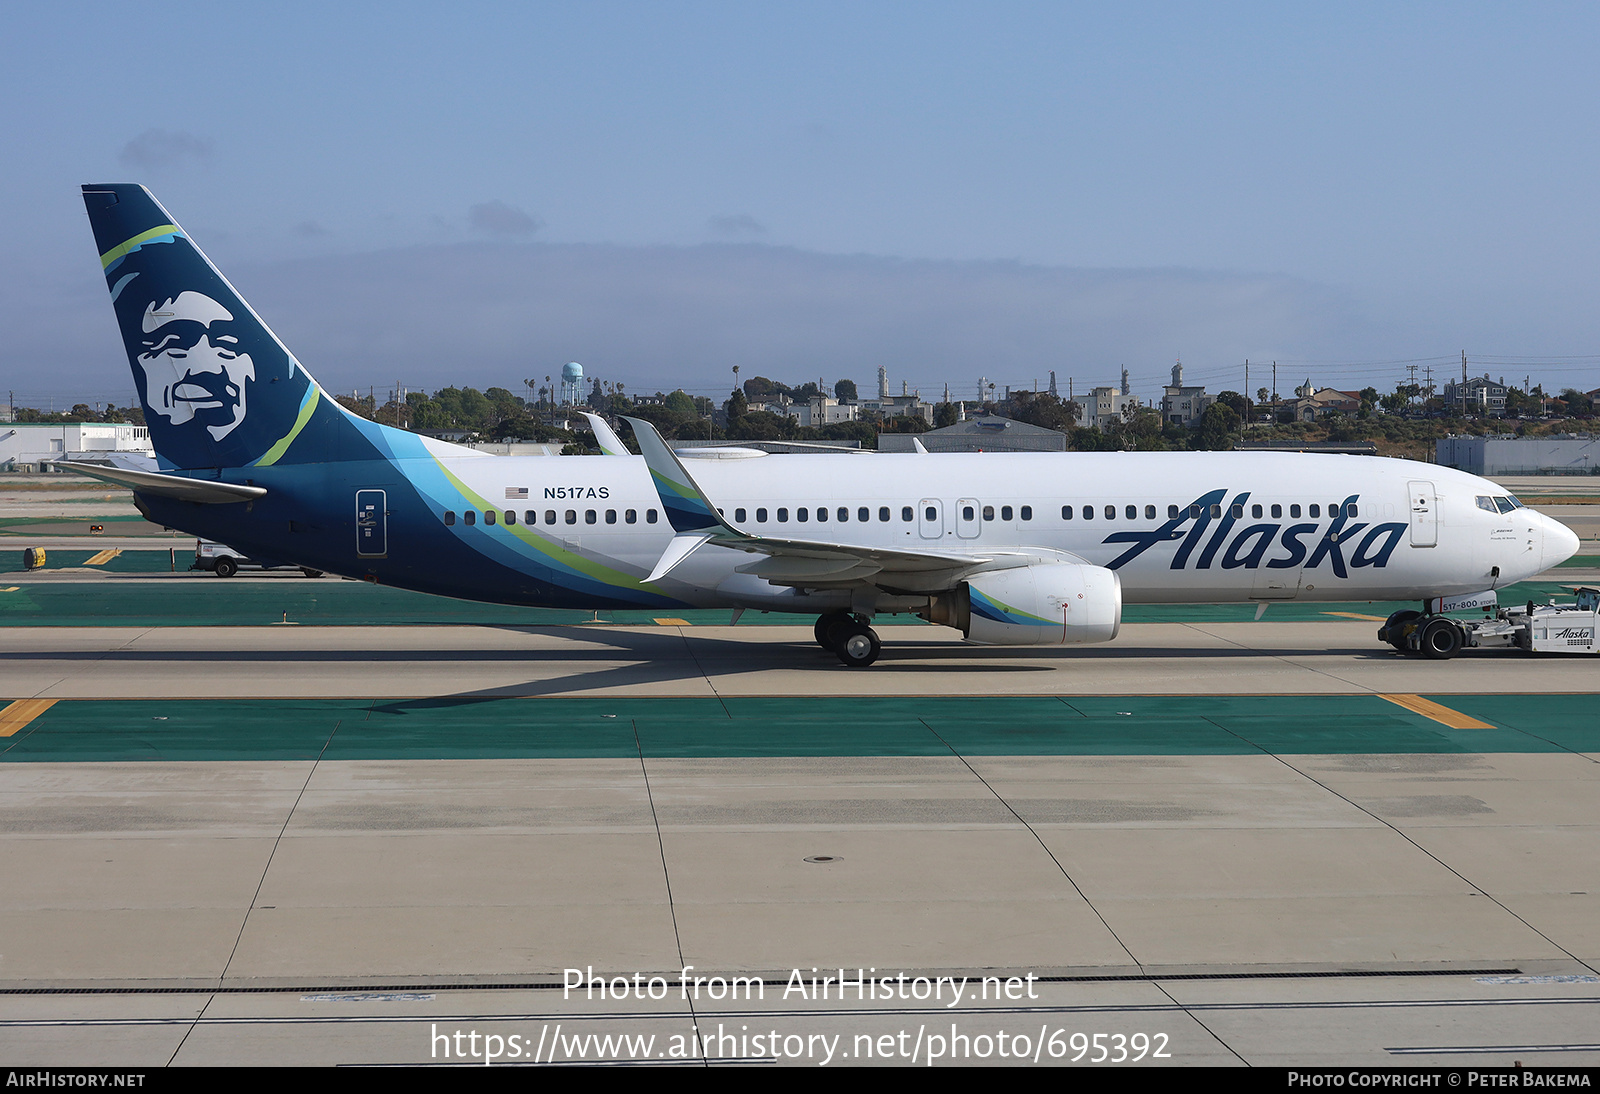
x,y
1176,527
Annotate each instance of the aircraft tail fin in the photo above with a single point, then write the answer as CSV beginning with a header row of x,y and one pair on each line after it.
x,y
217,386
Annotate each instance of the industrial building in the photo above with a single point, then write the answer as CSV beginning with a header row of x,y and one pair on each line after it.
x,y
28,446
1563,454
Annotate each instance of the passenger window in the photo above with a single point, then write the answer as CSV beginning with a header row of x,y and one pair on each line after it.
x,y
968,513
611,516
649,516
1027,512
761,516
488,516
1237,511
549,516
1255,511
470,517
1316,511
738,515
783,516
511,516
572,516
588,516
1088,512
632,516
822,512
802,514
1216,511
863,514
988,512
1005,512
905,513
1172,512
843,513
450,517
883,512
1066,512
1111,512
1333,511
1350,511
1294,512
1131,512
1149,512
531,517
1277,511
1194,511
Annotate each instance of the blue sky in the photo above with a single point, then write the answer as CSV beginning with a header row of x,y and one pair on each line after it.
x,y
475,194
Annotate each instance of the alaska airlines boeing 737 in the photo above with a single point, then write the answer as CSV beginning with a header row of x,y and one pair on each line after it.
x,y
1016,549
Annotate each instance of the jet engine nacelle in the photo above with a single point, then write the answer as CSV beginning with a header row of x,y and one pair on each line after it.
x,y
1049,604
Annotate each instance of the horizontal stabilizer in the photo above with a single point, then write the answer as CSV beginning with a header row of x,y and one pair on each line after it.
x,y
168,486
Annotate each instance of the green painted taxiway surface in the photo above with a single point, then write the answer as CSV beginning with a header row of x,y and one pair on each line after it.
x,y
444,728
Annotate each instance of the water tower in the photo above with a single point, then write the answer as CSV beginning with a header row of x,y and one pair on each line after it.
x,y
571,384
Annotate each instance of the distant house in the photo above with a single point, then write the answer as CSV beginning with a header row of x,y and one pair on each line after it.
x,y
1183,405
819,410
1107,406
1312,402
1479,395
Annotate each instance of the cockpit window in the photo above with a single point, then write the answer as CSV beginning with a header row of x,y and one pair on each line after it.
x,y
1486,503
1505,504
1515,504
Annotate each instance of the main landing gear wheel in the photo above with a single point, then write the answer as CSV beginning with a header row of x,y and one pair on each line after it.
x,y
1441,639
1394,631
825,628
225,567
858,645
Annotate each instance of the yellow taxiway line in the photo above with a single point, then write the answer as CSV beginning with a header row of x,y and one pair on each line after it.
x,y
18,714
1441,714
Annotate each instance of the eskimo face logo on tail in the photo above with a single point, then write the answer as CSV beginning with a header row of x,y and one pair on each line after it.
x,y
195,367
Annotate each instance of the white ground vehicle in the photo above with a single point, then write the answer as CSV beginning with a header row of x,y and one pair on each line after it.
x,y
224,561
1536,628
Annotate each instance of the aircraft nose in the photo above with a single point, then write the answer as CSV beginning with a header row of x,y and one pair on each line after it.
x,y
1560,542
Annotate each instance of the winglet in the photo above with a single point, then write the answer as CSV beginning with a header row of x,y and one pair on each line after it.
x,y
688,509
606,437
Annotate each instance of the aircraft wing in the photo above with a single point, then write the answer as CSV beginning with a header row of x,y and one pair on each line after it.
x,y
168,485
810,563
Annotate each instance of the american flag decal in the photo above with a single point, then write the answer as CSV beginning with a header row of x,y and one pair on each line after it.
x,y
515,493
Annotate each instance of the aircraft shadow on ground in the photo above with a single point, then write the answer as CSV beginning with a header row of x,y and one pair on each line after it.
x,y
657,657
